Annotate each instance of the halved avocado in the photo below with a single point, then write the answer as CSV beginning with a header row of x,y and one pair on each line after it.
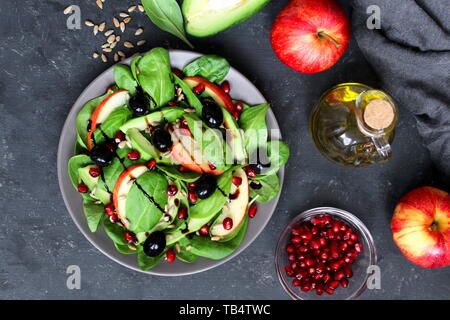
x,y
207,17
235,208
100,193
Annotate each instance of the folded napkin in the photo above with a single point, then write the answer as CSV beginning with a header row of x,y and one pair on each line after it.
x,y
411,54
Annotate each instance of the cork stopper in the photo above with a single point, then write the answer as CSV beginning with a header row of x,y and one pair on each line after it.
x,y
378,114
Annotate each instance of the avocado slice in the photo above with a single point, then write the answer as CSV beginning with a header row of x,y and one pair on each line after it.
x,y
169,114
207,17
145,148
100,193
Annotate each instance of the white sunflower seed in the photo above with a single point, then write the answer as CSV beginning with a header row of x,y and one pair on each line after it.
x,y
111,39
129,145
139,31
215,238
98,202
127,20
104,58
89,23
132,246
113,45
128,44
109,32
122,144
100,4
189,248
68,10
132,8
124,14
122,26
141,42
141,8
95,55
120,53
116,22
95,30
117,38
171,226
105,45
116,57
177,248
101,26
107,50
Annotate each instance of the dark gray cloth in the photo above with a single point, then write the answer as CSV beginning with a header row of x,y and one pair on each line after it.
x,y
411,54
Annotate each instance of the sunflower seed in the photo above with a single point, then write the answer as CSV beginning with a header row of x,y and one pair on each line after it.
x,y
95,55
111,38
179,91
102,26
141,42
171,226
109,32
132,246
120,53
95,30
118,38
69,9
104,58
128,44
215,238
122,144
189,248
129,145
105,45
132,8
79,180
167,219
107,50
98,202
124,14
177,248
100,4
89,23
113,45
122,26
139,31
127,20
141,8
116,57
116,22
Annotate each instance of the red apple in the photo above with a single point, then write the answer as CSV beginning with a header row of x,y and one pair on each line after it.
x,y
421,227
213,90
311,35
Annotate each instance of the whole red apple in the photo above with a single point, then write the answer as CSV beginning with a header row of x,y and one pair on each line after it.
x,y
421,227
311,35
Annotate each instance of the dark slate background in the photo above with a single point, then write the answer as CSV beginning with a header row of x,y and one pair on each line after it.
x,y
43,69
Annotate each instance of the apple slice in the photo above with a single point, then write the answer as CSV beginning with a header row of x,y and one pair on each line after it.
x,y
122,187
235,209
181,155
213,90
101,113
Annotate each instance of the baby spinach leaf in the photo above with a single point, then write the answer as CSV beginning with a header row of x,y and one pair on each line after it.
x,y
140,212
270,187
215,250
124,249
75,163
94,214
278,154
192,99
112,124
145,262
85,114
166,14
253,122
124,78
211,67
133,67
114,231
155,76
186,256
172,171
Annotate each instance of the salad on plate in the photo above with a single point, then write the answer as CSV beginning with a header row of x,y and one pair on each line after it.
x,y
169,165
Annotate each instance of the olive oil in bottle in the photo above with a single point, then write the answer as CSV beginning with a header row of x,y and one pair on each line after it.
x,y
353,125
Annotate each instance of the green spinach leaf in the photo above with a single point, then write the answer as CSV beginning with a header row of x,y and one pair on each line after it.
x,y
155,76
75,163
278,154
114,231
124,78
166,14
112,124
270,187
145,262
124,249
253,122
211,67
190,95
94,214
172,171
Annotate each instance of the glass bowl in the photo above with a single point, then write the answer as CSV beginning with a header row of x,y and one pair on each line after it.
x,y
357,283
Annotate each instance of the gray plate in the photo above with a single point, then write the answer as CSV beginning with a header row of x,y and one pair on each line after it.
x,y
242,89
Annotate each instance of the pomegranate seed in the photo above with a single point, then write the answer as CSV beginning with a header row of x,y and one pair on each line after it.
x,y
226,86
171,190
335,266
322,242
324,256
334,284
250,172
330,234
151,164
290,248
326,220
326,277
236,115
95,172
348,260
315,230
227,223
294,265
329,290
237,181
238,107
317,276
252,211
358,247
120,136
344,283
291,257
191,185
296,282
212,167
172,103
303,249
82,188
296,231
336,226
307,236
198,89
354,237
289,271
319,290
343,246
296,240
130,237
305,287
339,275
303,264
178,73
310,262
348,271
204,231
182,213
109,209
114,218
301,274
170,255
134,155
311,270
192,197
316,221
315,245
301,256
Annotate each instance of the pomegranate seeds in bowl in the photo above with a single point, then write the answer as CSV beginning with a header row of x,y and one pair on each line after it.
x,y
324,252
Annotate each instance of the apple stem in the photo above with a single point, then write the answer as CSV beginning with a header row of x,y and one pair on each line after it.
x,y
322,34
